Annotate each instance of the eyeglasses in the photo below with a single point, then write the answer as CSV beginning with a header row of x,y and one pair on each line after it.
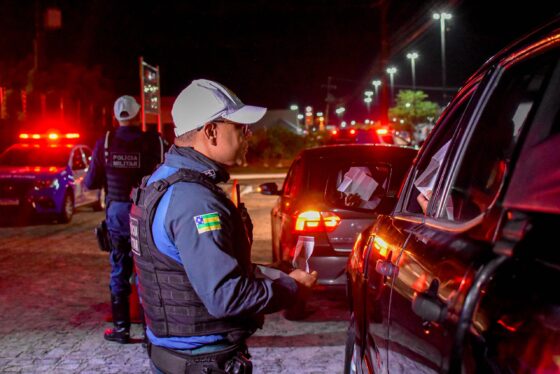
x,y
245,130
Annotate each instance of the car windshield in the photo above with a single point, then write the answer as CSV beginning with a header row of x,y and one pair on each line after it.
x,y
351,185
35,156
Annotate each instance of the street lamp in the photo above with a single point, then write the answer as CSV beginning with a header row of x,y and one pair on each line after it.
x,y
442,17
391,71
294,107
367,99
412,57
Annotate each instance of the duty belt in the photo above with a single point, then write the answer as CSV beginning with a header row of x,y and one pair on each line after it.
x,y
231,360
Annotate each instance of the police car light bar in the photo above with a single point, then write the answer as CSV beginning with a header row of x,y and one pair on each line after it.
x,y
50,136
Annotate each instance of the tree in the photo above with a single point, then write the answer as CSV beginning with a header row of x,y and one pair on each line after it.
x,y
412,108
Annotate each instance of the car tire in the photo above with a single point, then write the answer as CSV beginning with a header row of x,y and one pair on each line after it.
x,y
100,205
350,350
67,212
296,312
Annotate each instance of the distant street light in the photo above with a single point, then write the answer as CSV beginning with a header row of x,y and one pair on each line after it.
x,y
294,107
442,17
376,83
392,71
412,57
368,101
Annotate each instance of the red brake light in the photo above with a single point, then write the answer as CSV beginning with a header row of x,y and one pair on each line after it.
x,y
382,131
72,135
353,132
36,136
314,221
334,132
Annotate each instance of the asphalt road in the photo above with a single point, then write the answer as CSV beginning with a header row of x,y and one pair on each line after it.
x,y
54,300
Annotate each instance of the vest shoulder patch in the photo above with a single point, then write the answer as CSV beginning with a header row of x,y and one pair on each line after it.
x,y
207,222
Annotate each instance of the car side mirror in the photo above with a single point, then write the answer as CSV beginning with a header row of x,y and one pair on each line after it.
x,y
269,188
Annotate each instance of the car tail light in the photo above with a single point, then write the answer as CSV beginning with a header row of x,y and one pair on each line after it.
x,y
314,221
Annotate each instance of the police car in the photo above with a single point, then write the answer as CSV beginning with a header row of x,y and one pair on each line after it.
x,y
43,174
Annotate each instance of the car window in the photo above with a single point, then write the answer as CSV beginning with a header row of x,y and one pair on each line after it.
x,y
491,146
77,160
352,185
293,178
429,166
34,156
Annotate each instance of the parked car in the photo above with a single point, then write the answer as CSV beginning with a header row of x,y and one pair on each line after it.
x,y
310,206
470,285
352,135
43,175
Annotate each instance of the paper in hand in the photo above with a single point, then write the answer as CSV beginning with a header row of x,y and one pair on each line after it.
x,y
303,251
427,180
357,181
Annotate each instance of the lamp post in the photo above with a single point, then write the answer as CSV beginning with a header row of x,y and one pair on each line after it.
x,y
412,57
367,99
376,83
442,17
391,71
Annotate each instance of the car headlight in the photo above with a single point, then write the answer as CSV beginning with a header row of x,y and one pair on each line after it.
x,y
46,183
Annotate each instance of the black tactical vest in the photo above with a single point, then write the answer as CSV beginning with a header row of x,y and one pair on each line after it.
x,y
171,306
126,162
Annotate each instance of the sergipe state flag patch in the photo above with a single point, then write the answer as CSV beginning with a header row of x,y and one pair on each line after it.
x,y
207,222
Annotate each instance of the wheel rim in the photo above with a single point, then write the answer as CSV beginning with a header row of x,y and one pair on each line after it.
x,y
68,207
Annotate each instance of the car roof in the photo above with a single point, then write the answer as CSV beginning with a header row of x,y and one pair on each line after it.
x,y
357,150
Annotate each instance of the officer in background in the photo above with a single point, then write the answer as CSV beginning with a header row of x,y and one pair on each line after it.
x,y
202,296
120,159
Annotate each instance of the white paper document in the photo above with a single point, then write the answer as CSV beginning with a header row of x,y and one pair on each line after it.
x,y
303,251
357,181
427,180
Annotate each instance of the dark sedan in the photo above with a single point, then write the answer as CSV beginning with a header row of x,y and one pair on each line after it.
x,y
463,275
320,206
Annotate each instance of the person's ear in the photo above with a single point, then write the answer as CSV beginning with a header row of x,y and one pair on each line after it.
x,y
210,131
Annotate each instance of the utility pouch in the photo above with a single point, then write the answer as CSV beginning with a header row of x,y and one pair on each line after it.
x,y
239,364
102,235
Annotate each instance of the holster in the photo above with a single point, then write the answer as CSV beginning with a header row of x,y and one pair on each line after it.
x,y
234,360
102,235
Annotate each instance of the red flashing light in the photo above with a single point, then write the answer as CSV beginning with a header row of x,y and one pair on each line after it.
x,y
382,131
334,132
352,131
49,136
314,221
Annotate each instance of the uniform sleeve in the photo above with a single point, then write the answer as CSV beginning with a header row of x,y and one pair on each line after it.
x,y
213,261
95,177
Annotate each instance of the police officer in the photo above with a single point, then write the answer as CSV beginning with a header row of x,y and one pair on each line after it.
x,y
200,292
120,159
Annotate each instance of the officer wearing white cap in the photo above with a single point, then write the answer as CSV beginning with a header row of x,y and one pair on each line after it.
x,y
120,159
200,293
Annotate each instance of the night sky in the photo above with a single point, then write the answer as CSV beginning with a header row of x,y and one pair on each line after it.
x,y
271,53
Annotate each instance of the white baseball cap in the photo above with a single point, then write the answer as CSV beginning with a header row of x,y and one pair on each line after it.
x,y
125,108
204,101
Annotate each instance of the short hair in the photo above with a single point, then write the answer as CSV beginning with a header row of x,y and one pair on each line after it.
x,y
186,138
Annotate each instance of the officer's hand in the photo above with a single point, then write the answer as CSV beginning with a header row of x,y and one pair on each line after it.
x,y
246,221
305,279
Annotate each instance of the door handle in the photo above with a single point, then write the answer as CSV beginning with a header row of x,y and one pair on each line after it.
x,y
427,305
386,268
